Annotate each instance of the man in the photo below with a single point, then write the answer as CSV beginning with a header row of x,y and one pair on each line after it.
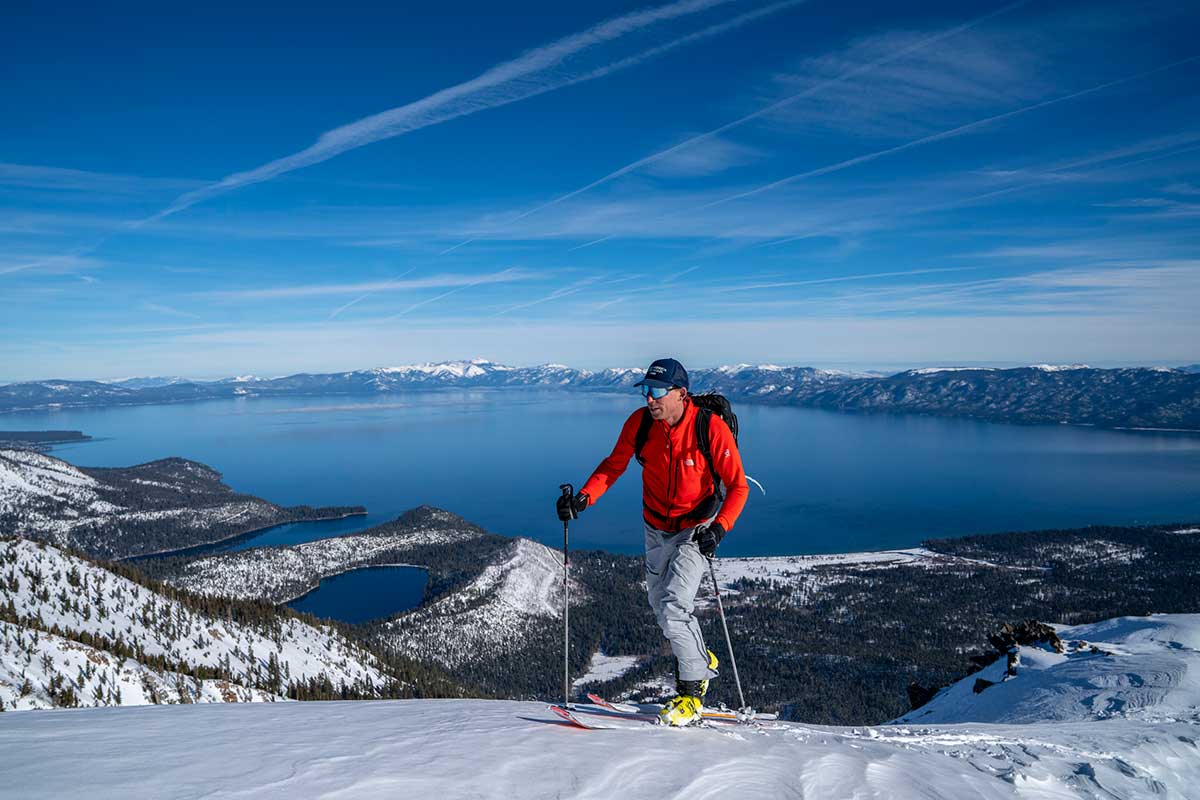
x,y
684,517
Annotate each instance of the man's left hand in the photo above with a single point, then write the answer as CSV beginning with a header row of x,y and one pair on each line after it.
x,y
707,537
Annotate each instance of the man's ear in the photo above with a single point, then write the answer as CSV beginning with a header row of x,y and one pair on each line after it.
x,y
683,392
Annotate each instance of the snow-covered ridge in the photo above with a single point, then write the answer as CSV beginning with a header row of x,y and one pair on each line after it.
x,y
504,606
1147,748
1140,668
120,512
280,574
50,589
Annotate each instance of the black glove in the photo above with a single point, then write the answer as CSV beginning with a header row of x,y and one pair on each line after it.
x,y
707,537
569,508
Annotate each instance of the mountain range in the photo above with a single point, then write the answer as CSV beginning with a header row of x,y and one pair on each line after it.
x,y
1136,397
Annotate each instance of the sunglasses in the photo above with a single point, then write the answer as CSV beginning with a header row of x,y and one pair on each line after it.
x,y
655,392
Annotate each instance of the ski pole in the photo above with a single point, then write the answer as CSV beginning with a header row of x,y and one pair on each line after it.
x,y
568,492
712,571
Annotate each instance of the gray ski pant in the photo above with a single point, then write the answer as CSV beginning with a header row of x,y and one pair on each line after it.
x,y
674,568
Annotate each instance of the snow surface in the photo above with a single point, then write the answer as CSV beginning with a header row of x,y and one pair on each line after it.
x,y
1144,668
604,668
1068,746
55,589
507,604
935,370
271,572
63,504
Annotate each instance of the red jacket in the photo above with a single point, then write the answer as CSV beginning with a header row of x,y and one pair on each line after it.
x,y
676,480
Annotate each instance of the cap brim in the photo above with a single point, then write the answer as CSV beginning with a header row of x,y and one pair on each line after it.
x,y
655,383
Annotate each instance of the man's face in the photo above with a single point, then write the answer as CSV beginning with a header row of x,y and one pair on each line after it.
x,y
669,407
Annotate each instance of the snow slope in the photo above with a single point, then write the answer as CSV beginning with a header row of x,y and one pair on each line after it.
x,y
119,512
506,604
1129,668
501,749
50,589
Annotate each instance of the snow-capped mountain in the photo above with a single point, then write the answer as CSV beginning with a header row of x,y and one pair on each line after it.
x,y
1072,393
152,382
120,512
75,633
1138,742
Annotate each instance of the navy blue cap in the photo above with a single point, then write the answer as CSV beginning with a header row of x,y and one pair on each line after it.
x,y
665,373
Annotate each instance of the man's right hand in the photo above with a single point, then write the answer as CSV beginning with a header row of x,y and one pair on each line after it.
x,y
569,508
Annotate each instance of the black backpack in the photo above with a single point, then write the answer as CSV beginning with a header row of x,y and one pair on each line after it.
x,y
707,404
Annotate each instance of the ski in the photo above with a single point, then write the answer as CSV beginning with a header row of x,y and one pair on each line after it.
x,y
598,720
712,714
567,714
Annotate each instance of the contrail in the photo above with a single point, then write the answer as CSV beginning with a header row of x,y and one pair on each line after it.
x,y
947,134
362,297
630,61
845,76
429,300
504,83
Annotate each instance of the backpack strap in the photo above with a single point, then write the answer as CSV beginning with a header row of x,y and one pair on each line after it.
x,y
703,418
643,433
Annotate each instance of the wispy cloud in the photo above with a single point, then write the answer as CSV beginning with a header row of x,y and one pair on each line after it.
x,y
370,287
557,294
334,314
948,134
1165,287
774,107
532,73
498,277
48,264
30,176
171,311
708,157
918,92
840,279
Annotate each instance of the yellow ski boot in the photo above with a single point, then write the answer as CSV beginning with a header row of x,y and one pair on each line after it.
x,y
686,706
682,709
712,664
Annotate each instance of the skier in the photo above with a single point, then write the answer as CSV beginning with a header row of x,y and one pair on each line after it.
x,y
684,517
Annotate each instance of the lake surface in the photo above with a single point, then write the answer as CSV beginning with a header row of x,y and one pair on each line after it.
x,y
365,594
835,482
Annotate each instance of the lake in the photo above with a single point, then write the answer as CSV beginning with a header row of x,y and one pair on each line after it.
x,y
835,482
365,594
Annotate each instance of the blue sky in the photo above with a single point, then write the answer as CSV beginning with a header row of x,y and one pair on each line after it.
x,y
231,189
